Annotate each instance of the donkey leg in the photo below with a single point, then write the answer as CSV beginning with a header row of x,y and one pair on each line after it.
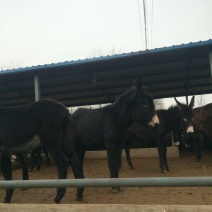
x,y
161,150
114,159
127,150
113,163
120,165
6,167
129,161
51,138
77,171
23,160
197,141
80,150
62,167
165,157
46,155
32,160
39,158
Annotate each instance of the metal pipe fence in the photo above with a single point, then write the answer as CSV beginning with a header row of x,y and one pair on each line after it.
x,y
111,182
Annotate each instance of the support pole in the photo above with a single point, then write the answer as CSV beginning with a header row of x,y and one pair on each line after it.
x,y
186,99
210,61
37,88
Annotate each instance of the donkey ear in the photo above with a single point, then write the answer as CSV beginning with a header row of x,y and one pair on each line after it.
x,y
178,104
138,82
191,105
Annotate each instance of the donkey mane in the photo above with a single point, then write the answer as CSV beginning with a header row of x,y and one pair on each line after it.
x,y
123,103
173,108
124,98
170,110
174,111
171,116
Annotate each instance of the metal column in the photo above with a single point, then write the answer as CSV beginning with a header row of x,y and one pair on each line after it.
x,y
37,88
210,61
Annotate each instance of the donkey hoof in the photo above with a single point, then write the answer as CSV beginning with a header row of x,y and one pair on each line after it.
x,y
163,170
6,201
116,190
57,201
78,198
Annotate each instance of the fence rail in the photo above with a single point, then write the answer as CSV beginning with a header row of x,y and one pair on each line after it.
x,y
111,182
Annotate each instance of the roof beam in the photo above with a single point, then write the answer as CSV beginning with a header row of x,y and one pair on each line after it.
x,y
119,88
123,81
18,93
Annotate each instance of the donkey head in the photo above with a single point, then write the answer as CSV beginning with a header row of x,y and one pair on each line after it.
x,y
143,107
186,115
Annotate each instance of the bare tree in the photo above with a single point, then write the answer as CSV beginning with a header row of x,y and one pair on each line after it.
x,y
98,52
10,65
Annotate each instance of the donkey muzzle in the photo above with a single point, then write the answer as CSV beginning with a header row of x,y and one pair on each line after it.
x,y
177,143
190,129
154,121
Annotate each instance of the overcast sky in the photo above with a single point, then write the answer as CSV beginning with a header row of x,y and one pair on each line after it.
x,y
36,32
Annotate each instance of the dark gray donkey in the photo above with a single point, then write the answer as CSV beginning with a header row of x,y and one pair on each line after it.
x,y
24,128
108,126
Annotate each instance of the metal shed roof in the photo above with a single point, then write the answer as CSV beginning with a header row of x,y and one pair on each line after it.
x,y
170,71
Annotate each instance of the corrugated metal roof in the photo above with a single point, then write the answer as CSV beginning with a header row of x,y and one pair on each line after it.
x,y
168,71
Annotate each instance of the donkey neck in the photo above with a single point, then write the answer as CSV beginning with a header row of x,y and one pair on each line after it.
x,y
122,114
170,118
122,107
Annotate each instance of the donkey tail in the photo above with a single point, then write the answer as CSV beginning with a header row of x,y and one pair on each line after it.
x,y
66,136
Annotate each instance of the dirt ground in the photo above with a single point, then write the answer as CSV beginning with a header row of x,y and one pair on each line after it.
x,y
180,167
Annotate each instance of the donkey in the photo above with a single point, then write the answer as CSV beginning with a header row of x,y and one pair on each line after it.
x,y
202,123
175,131
24,128
177,119
183,113
107,126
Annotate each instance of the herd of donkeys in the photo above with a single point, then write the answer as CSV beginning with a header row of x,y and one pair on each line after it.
x,y
66,137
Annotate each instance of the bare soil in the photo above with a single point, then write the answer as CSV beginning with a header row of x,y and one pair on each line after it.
x,y
183,166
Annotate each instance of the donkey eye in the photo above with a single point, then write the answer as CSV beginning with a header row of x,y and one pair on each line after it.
x,y
145,106
185,119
